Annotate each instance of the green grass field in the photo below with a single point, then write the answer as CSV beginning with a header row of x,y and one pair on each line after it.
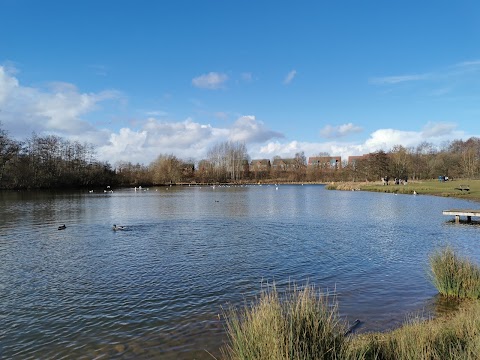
x,y
431,187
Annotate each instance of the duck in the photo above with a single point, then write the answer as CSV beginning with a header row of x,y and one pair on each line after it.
x,y
62,227
118,227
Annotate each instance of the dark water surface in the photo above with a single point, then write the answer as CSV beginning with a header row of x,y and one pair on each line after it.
x,y
156,289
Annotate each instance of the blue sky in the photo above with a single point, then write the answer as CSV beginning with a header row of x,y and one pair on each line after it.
x,y
143,78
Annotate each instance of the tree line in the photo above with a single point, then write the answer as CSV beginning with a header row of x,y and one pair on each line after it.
x,y
50,162
53,162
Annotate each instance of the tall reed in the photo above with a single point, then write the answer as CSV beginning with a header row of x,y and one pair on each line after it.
x,y
454,276
300,324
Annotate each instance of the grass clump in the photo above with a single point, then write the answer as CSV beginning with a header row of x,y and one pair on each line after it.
x,y
455,337
301,324
454,276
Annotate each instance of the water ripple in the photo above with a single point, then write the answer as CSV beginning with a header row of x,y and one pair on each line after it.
x,y
157,289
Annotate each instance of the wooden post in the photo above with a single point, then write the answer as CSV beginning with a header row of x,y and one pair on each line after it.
x,y
457,219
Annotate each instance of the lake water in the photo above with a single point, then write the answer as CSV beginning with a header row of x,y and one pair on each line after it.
x,y
156,289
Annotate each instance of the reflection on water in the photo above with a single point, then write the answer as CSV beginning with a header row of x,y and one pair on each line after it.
x,y
157,289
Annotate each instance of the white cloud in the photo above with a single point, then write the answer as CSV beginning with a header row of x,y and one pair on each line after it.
x,y
434,130
330,131
289,149
382,139
183,139
60,108
186,139
247,129
290,76
8,84
56,109
387,138
212,81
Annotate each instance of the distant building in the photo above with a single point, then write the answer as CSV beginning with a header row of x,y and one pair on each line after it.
x,y
260,165
325,162
280,164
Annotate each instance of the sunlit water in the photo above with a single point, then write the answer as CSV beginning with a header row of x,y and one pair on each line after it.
x,y
157,289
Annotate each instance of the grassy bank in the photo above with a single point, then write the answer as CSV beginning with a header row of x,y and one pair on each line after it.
x,y
305,324
453,337
432,187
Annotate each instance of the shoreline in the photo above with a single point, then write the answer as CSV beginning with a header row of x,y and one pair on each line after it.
x,y
420,187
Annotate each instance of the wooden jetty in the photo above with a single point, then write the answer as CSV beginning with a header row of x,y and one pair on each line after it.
x,y
457,213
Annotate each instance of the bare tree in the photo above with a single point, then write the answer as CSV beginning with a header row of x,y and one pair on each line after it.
x,y
9,149
228,160
400,159
166,169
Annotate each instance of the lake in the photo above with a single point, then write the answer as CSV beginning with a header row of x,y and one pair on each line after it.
x,y
157,289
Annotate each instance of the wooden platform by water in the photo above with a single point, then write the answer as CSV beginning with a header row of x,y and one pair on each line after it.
x,y
457,213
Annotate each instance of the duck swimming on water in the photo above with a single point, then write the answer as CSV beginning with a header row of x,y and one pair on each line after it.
x,y
118,227
62,227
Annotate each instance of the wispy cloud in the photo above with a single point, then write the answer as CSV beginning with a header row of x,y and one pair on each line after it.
x,y
221,115
290,76
445,74
211,81
343,130
472,63
100,70
399,79
247,77
159,113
